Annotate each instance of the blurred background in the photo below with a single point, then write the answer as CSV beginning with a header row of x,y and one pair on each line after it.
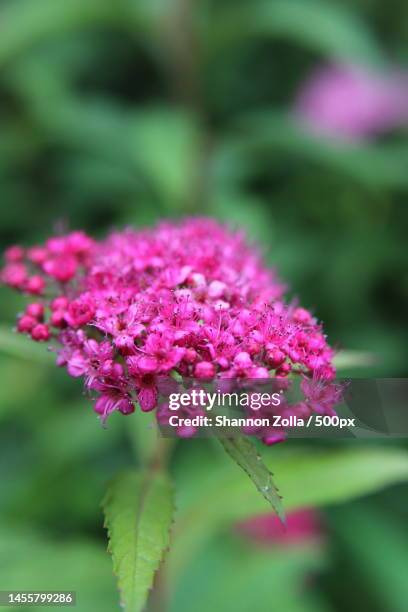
x,y
285,118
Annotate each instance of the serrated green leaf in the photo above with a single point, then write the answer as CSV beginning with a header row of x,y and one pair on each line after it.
x,y
245,454
138,513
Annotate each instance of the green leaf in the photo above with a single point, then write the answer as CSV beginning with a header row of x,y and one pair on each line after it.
x,y
317,477
87,126
316,24
13,344
138,513
270,132
244,453
37,561
14,396
354,359
243,210
240,577
212,494
27,23
375,561
165,147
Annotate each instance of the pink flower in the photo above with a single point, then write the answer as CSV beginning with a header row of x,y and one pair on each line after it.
x,y
26,323
35,310
159,355
110,401
147,396
34,285
204,369
61,267
80,311
353,102
14,275
185,412
267,530
190,299
321,397
14,253
40,332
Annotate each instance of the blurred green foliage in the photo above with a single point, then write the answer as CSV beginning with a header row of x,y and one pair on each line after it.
x,y
115,113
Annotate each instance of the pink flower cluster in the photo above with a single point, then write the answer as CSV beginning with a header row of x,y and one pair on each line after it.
x,y
352,102
190,298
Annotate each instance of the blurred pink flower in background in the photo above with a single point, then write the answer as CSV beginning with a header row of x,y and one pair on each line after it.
x,y
352,102
302,526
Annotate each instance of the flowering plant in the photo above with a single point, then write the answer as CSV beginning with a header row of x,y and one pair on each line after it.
x,y
189,300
